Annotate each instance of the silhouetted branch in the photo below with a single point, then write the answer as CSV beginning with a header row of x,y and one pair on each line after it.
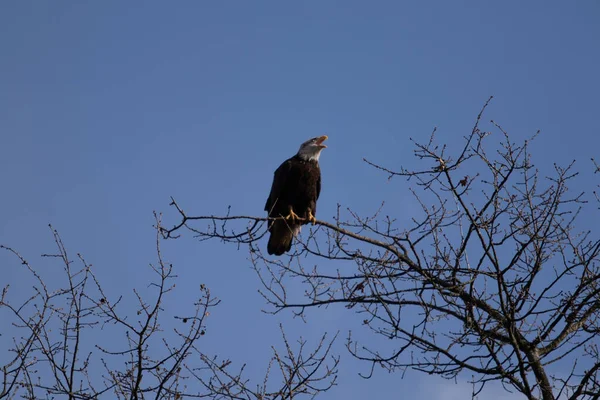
x,y
137,356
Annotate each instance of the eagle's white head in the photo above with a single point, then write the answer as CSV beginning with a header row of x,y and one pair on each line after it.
x,y
311,149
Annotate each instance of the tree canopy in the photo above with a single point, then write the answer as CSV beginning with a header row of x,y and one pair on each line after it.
x,y
493,280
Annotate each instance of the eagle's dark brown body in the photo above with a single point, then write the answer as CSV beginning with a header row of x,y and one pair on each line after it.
x,y
296,186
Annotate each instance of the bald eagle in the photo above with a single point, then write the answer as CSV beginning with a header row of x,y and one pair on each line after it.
x,y
294,193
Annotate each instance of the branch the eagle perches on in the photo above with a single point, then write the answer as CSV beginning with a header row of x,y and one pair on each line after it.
x,y
253,232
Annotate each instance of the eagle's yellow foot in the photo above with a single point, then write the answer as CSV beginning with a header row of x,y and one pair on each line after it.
x,y
292,216
311,217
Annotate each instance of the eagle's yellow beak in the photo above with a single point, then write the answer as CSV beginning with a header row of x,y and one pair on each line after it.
x,y
321,140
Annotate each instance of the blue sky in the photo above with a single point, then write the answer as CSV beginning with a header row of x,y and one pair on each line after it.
x,y
109,108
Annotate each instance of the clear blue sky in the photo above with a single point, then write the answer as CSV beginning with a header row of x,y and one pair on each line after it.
x,y
108,108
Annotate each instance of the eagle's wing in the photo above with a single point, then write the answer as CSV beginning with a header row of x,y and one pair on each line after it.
x,y
279,177
318,185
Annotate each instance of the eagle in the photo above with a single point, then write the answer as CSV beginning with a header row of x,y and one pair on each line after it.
x,y
294,193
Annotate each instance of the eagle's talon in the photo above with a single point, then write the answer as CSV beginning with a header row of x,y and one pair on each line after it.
x,y
311,218
292,216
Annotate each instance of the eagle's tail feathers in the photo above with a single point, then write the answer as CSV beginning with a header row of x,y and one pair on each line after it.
x,y
282,235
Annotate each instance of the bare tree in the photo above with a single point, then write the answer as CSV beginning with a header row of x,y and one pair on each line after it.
x,y
139,356
491,279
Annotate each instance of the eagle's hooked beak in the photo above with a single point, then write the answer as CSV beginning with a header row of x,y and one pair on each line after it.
x,y
321,140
